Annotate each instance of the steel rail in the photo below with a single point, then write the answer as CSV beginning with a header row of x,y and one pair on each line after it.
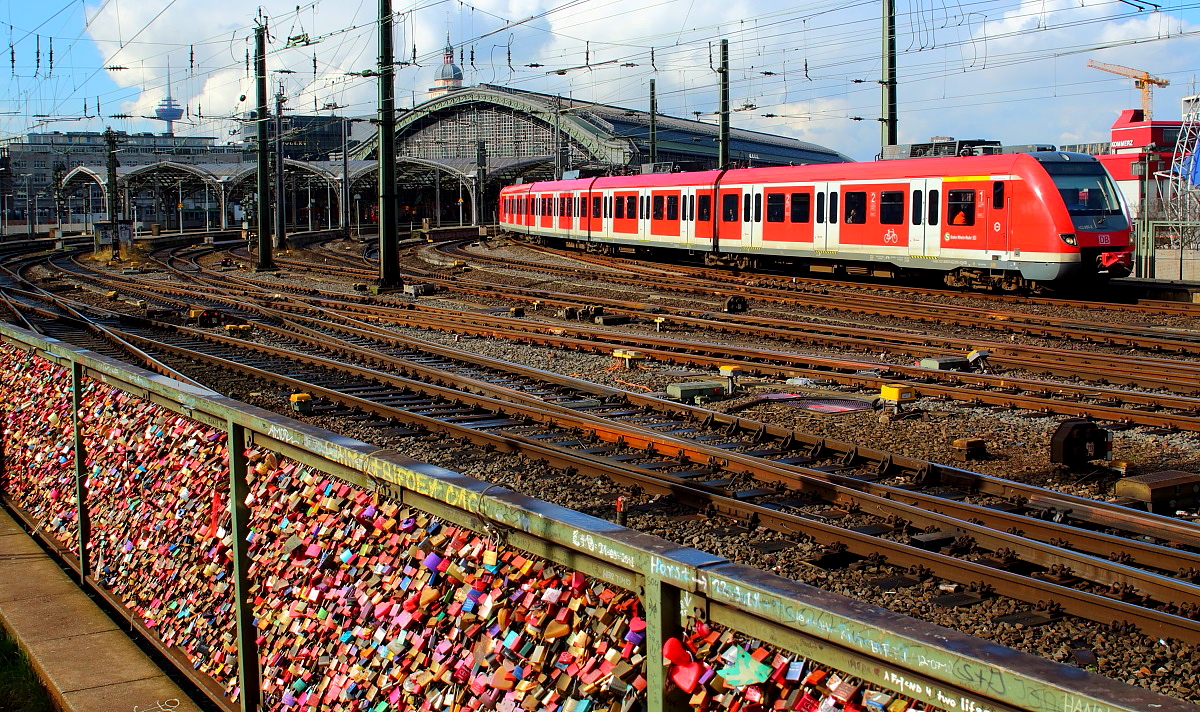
x,y
789,282
876,305
1097,543
1089,605
1089,511
1148,372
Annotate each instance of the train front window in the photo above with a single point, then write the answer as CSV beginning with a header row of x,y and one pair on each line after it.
x,y
1085,188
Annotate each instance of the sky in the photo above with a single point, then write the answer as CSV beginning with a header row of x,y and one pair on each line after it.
x,y
1011,70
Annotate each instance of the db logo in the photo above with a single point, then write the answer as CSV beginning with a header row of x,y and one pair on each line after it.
x,y
1103,239
891,237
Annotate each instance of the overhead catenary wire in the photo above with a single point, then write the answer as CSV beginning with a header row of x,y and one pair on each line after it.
x,y
821,66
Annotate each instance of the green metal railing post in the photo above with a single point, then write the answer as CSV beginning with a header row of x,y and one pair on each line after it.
x,y
239,488
662,603
80,453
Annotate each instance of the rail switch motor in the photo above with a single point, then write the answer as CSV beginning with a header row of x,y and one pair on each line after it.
x,y
1077,442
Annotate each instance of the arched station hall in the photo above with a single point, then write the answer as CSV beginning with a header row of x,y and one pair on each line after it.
x,y
457,148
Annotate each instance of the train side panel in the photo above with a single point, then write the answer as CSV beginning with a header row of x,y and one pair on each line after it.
x,y
996,220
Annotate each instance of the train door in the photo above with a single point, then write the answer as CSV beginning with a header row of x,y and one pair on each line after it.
x,y
644,214
686,217
729,222
997,218
924,223
825,228
752,217
703,225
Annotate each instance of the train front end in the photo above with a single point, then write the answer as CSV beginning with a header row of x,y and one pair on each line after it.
x,y
1093,218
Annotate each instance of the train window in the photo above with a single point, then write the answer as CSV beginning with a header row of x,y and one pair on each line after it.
x,y
672,207
704,208
775,202
820,207
801,207
658,207
596,206
631,206
961,207
997,195
856,207
934,207
729,208
833,200
620,214
746,208
758,207
918,209
891,207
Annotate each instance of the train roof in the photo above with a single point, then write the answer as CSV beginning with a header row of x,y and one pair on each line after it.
x,y
906,168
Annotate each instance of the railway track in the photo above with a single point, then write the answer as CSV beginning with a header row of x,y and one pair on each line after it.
x,y
725,467
846,507
1008,322
1105,298
1103,402
1149,372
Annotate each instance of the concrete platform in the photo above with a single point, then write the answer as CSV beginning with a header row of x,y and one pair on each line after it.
x,y
83,658
1162,289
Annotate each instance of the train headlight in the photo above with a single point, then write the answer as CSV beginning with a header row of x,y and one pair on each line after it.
x,y
1069,238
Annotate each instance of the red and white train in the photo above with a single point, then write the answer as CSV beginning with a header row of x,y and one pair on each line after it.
x,y
1010,221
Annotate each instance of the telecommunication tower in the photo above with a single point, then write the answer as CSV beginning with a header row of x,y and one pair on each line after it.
x,y
168,109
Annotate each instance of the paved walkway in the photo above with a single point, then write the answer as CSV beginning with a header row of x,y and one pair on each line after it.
x,y
81,655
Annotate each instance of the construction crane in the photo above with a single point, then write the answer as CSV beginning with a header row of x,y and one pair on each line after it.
x,y
1141,80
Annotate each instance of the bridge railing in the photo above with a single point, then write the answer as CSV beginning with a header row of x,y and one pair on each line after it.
x,y
281,566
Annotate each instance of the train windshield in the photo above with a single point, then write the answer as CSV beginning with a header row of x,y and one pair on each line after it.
x,y
1085,188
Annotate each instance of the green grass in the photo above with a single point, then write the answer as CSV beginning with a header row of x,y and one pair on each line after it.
x,y
20,690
